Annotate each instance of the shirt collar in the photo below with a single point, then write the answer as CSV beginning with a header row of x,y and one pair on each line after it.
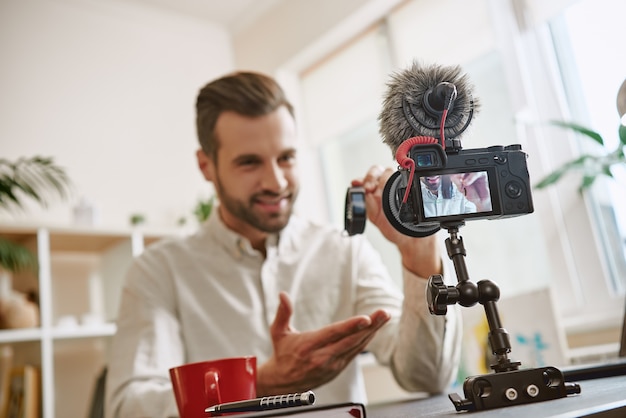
x,y
233,242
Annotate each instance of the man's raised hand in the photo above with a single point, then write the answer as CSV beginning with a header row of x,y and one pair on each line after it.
x,y
305,360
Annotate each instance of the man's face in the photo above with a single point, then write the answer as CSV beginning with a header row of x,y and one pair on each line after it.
x,y
255,174
432,182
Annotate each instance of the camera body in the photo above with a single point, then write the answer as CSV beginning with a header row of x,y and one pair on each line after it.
x,y
456,185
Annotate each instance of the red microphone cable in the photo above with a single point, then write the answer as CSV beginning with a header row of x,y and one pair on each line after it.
x,y
403,150
407,162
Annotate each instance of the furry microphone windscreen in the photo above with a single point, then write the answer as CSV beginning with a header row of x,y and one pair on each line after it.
x,y
403,115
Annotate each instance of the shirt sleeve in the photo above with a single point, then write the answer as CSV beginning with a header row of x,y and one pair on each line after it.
x,y
146,345
427,355
422,350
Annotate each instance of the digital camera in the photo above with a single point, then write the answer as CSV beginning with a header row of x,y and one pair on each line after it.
x,y
449,187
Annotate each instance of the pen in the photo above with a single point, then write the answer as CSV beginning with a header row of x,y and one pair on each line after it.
x,y
262,404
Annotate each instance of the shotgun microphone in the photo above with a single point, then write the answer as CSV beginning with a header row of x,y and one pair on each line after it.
x,y
416,99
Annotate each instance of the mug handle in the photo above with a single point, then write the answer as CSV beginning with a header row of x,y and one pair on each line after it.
x,y
212,388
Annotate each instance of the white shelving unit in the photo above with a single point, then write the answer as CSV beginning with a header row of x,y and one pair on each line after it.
x,y
81,271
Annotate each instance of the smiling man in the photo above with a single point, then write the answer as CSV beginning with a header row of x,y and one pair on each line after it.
x,y
255,172
441,197
256,279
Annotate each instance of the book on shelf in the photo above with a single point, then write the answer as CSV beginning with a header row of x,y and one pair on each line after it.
x,y
24,392
6,366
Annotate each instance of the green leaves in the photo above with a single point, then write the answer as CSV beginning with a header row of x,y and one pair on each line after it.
x,y
622,134
34,178
591,166
580,129
556,175
15,257
203,209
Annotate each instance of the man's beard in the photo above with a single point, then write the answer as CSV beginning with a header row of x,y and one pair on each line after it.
x,y
432,184
270,223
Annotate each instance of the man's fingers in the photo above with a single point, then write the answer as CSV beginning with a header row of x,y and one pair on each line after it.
x,y
283,315
358,348
345,349
380,317
358,340
340,330
345,334
375,178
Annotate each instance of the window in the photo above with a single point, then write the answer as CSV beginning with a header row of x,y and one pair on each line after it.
x,y
558,78
341,100
588,40
530,62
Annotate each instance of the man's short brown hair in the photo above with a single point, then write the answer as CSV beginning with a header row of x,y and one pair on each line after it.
x,y
246,93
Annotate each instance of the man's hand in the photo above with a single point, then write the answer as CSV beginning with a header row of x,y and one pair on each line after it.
x,y
419,255
305,360
475,187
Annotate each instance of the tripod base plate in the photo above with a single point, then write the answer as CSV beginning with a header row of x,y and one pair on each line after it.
x,y
513,388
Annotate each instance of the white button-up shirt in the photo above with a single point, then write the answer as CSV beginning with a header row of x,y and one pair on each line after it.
x,y
211,295
436,205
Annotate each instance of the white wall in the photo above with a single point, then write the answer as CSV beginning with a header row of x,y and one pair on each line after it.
x,y
294,33
108,89
288,39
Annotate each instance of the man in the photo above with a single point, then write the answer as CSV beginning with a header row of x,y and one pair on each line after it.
x,y
475,187
258,280
441,197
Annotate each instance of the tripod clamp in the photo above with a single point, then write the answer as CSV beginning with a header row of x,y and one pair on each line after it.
x,y
508,385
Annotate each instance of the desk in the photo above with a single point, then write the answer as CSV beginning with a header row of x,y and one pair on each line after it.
x,y
604,398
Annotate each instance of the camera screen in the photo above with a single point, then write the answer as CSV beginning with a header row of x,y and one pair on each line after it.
x,y
466,194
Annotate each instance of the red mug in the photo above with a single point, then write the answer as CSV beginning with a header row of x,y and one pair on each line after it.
x,y
200,385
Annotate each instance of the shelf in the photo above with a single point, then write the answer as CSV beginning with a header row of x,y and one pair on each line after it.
x,y
81,271
74,241
18,236
19,335
82,238
35,334
82,331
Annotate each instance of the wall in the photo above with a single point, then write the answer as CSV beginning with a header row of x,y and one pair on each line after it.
x,y
294,34
286,40
108,90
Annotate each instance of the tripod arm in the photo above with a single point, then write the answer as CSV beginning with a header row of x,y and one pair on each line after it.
x,y
467,294
509,385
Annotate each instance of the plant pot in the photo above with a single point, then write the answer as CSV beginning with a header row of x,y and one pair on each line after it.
x,y
16,310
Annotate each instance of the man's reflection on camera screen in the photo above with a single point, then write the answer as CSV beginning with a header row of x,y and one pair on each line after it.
x,y
455,194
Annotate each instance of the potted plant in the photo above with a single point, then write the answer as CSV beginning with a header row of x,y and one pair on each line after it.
x,y
591,165
203,208
35,178
201,211
32,178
